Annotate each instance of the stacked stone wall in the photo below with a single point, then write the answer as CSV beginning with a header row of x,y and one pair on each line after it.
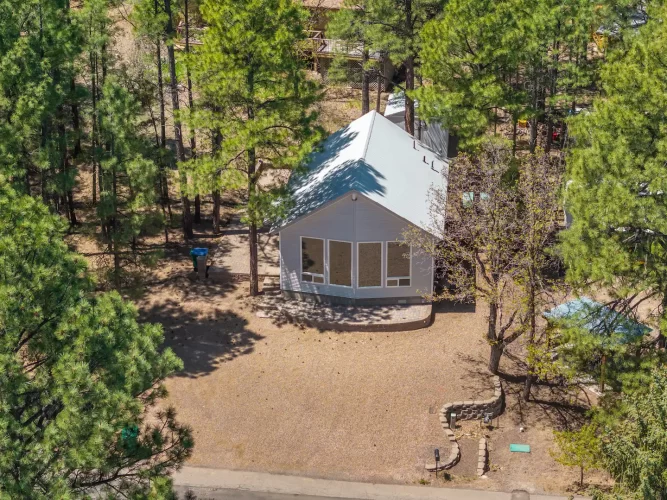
x,y
476,409
469,410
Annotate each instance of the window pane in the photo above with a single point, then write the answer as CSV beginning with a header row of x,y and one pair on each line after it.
x,y
318,279
340,263
392,282
404,282
306,277
370,264
398,260
312,255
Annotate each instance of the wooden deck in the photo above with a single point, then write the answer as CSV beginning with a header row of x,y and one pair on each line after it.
x,y
317,45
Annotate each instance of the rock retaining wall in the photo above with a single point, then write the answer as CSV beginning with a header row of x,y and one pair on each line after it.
x,y
483,457
469,410
476,410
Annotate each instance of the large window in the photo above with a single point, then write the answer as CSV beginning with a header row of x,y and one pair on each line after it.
x,y
312,260
369,265
340,263
398,264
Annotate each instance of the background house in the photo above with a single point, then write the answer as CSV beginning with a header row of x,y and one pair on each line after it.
x,y
320,49
341,242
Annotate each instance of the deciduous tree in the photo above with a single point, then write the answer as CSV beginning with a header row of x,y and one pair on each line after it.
x,y
489,247
579,448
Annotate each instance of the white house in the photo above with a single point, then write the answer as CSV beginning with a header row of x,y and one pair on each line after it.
x,y
341,243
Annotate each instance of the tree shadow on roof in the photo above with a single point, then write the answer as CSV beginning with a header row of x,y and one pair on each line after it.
x,y
353,175
324,179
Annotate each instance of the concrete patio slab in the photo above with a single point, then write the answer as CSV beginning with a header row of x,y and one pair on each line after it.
x,y
388,318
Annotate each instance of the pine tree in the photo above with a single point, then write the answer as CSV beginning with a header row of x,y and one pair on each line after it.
x,y
349,25
78,373
170,33
38,49
127,175
522,59
149,21
395,28
616,176
634,445
257,101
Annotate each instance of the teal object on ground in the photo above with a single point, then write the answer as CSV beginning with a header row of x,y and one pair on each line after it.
x,y
598,319
197,252
520,448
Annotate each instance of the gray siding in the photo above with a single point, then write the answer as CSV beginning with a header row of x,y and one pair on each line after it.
x,y
354,221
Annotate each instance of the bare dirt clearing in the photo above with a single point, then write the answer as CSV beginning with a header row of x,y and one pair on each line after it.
x,y
354,406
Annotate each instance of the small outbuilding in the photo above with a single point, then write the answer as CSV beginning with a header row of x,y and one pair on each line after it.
x,y
341,243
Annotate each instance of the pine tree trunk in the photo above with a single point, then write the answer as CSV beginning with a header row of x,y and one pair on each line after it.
x,y
216,212
409,75
216,141
70,208
197,209
178,129
409,103
76,122
252,191
114,231
191,104
93,93
254,277
252,234
533,135
378,97
365,84
164,178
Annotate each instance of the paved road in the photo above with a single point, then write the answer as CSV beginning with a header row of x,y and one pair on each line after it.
x,y
219,484
217,494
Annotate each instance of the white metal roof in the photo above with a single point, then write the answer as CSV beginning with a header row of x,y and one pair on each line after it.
x,y
377,159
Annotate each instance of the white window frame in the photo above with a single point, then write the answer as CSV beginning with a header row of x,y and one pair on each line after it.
x,y
328,264
397,278
324,261
381,243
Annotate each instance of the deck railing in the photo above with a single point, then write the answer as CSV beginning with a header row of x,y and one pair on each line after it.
x,y
316,43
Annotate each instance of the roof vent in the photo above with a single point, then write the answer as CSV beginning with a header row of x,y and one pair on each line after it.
x,y
425,159
414,144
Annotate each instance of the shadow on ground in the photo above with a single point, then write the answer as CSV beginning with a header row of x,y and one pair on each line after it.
x,y
202,341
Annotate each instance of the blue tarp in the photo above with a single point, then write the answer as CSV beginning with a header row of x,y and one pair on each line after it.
x,y
597,318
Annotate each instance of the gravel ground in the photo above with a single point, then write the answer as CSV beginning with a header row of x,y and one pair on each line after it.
x,y
358,406
270,397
